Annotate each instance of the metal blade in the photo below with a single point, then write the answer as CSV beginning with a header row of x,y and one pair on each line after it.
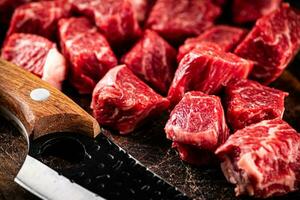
x,y
46,183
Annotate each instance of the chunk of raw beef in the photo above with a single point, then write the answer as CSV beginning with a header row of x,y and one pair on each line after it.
x,y
37,55
39,18
122,101
153,60
263,159
272,43
227,37
194,155
88,52
249,102
177,20
198,120
115,18
206,69
249,11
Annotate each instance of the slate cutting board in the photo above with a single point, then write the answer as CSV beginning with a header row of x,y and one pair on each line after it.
x,y
150,147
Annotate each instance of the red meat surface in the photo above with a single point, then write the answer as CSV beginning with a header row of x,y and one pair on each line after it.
x,y
141,8
198,120
249,11
263,159
249,102
272,43
122,101
206,69
194,155
227,37
177,20
153,60
37,55
39,18
88,52
220,2
115,18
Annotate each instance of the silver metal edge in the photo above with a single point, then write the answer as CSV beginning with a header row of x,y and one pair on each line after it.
x,y
47,184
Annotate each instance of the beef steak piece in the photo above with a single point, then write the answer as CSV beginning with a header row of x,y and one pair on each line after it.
x,y
88,52
115,18
39,18
249,11
177,20
227,37
249,102
194,155
198,120
37,55
206,69
272,43
122,101
153,60
263,159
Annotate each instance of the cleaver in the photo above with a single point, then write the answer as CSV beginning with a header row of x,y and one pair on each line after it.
x,y
54,125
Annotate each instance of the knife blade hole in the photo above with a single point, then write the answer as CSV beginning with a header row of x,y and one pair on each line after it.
x,y
62,153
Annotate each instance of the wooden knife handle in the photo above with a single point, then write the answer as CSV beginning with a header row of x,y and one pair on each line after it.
x,y
57,113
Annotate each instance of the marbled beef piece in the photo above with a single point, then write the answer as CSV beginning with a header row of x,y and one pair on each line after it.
x,y
122,101
39,18
87,51
37,55
249,11
206,69
227,37
180,19
153,60
115,18
198,120
263,159
249,102
272,43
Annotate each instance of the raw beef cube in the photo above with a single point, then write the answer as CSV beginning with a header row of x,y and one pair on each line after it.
x,y
153,60
198,120
206,69
226,37
263,159
122,101
194,155
88,52
177,20
249,11
249,102
39,18
272,43
115,18
37,55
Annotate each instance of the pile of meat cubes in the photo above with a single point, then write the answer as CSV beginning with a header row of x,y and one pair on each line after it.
x,y
141,58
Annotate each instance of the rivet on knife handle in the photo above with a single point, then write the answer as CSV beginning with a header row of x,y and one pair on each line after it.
x,y
41,108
